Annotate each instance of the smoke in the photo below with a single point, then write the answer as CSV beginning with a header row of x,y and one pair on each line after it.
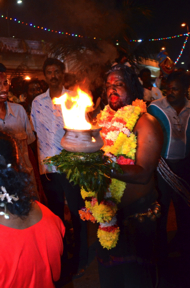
x,y
99,23
91,18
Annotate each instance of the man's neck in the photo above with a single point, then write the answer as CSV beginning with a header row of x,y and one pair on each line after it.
x,y
55,92
179,107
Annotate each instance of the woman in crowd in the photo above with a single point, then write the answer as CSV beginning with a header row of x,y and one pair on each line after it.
x,y
31,242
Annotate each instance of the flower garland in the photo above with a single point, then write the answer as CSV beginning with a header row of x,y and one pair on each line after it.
x,y
120,145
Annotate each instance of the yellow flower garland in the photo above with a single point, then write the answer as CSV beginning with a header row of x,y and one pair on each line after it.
x,y
107,239
85,194
102,212
116,188
125,143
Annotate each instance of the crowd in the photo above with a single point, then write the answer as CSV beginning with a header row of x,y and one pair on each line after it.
x,y
32,194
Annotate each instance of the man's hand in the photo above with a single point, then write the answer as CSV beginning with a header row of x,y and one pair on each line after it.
x,y
96,110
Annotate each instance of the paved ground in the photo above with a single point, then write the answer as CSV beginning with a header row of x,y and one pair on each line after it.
x,y
91,279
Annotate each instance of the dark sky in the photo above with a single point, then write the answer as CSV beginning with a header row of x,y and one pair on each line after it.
x,y
88,17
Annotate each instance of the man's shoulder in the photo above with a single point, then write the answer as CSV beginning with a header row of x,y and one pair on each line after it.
x,y
158,106
159,102
16,107
40,97
147,118
147,122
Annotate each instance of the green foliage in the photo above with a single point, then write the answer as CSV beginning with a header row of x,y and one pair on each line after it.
x,y
89,170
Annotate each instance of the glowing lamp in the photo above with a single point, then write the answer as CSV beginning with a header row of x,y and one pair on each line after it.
x,y
27,78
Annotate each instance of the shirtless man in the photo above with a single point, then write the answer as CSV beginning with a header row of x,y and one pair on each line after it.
x,y
126,264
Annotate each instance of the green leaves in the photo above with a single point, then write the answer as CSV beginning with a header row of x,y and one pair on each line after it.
x,y
88,170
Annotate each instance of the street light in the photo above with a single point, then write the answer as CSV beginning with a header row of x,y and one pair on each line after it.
x,y
185,24
7,13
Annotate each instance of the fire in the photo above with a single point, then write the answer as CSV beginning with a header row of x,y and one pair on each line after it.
x,y
74,108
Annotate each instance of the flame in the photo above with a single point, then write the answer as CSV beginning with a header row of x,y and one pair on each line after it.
x,y
74,108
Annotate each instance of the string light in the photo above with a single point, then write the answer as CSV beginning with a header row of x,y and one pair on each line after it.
x,y
159,39
76,35
182,49
35,26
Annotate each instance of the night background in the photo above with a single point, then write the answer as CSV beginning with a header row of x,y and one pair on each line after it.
x,y
106,20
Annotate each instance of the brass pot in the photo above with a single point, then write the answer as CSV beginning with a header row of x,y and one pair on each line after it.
x,y
82,140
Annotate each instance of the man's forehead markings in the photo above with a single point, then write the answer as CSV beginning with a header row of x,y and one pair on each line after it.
x,y
115,77
52,67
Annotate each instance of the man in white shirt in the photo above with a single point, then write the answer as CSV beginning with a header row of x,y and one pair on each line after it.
x,y
150,92
48,124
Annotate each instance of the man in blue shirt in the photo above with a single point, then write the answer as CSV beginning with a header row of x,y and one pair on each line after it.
x,y
47,121
14,120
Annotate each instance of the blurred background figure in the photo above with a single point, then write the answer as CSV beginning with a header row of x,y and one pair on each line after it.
x,y
44,85
13,118
150,92
31,242
16,87
31,90
166,68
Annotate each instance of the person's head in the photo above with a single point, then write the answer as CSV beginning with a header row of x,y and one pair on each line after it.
x,y
145,75
122,86
43,85
54,72
17,87
33,89
2,68
4,86
15,182
177,86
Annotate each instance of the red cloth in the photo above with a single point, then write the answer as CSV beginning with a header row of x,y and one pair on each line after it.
x,y
30,258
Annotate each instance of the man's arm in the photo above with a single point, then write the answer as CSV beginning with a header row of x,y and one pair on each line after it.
x,y
149,145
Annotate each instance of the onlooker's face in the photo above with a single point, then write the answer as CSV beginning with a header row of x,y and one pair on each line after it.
x,y
34,90
4,87
54,76
175,93
117,92
146,77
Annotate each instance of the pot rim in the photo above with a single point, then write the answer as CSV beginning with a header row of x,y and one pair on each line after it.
x,y
95,128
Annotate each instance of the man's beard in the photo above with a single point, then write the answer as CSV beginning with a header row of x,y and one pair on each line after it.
x,y
116,107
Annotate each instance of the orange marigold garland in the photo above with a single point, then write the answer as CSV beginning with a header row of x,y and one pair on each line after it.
x,y
120,145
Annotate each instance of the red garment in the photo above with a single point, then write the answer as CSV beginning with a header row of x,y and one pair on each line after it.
x,y
30,258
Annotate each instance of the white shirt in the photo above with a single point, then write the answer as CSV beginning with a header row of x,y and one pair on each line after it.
x,y
153,94
47,122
